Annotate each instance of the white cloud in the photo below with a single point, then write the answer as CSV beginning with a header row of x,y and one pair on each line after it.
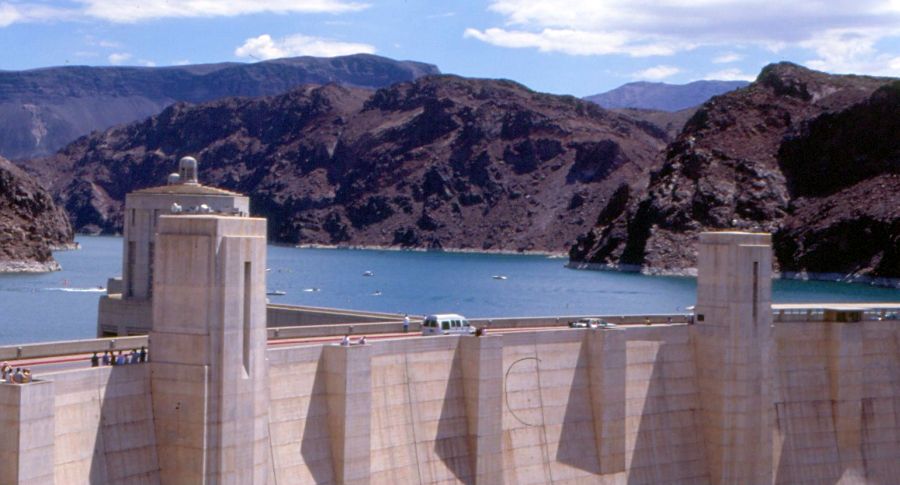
x,y
11,13
733,74
265,47
656,73
573,42
847,51
667,27
117,58
130,11
727,58
441,15
126,11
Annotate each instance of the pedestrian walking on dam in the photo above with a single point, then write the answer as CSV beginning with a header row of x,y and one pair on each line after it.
x,y
405,323
142,355
105,358
95,361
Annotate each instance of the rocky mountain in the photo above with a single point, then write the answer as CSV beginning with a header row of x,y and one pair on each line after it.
x,y
843,170
442,162
30,223
42,110
810,157
662,96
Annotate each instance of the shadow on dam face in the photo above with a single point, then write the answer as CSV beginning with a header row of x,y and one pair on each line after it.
x,y
451,443
668,444
315,445
577,443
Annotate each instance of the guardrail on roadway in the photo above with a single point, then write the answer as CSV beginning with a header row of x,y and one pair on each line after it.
x,y
371,328
71,347
782,313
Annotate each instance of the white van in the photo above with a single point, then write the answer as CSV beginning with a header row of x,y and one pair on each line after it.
x,y
446,324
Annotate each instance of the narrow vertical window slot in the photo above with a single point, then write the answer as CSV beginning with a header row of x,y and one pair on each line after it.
x,y
247,315
755,289
150,253
129,270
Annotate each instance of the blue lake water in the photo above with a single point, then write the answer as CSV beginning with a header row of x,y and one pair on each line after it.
x,y
63,305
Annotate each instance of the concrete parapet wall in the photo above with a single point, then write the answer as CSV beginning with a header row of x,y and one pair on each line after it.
x,y
296,316
118,316
71,347
563,320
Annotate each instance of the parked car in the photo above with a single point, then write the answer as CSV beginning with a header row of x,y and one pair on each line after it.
x,y
446,324
591,323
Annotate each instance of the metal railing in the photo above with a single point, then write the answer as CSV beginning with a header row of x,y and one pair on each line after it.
x,y
71,347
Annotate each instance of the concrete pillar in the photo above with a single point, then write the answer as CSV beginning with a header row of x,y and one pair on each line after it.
x,y
845,378
734,357
26,442
348,387
482,367
607,368
208,347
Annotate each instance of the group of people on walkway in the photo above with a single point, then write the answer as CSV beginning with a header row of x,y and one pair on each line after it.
x,y
111,358
17,376
346,340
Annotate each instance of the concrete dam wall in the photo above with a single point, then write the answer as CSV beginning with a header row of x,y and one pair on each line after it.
x,y
731,398
573,406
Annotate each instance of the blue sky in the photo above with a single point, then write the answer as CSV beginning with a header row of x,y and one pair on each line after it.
x,y
578,47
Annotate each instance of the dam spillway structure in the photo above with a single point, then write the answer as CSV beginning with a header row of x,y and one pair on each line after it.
x,y
744,394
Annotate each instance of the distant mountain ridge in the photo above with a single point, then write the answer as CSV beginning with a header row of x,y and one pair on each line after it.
x,y
440,162
662,96
42,110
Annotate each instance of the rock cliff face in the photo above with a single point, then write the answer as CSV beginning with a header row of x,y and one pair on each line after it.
x,y
442,162
30,223
42,110
843,170
795,153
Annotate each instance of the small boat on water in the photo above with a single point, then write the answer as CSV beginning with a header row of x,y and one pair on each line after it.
x,y
499,277
276,293
368,273
376,293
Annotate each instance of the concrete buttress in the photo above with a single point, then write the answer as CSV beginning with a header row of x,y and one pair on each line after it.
x,y
734,355
209,370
